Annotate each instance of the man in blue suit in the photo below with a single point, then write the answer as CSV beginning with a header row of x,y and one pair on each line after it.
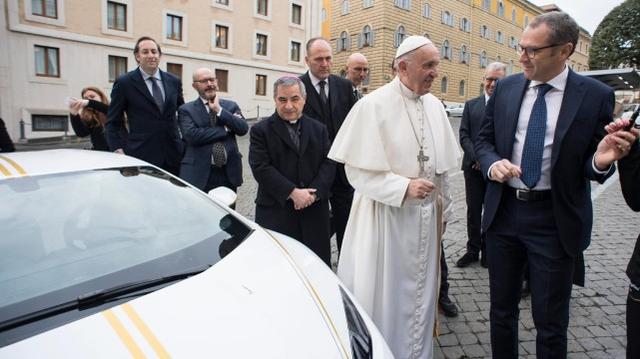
x,y
150,98
209,126
539,146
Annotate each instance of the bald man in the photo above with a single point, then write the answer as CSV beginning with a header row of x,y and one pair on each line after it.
x,y
357,71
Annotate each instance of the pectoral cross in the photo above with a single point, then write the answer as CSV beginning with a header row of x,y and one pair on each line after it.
x,y
422,159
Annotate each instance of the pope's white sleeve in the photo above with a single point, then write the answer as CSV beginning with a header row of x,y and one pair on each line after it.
x,y
381,186
447,201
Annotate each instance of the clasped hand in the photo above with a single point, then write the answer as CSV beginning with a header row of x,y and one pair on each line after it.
x,y
302,197
419,188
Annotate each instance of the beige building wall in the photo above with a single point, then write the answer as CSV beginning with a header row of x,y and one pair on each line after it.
x,y
463,74
85,42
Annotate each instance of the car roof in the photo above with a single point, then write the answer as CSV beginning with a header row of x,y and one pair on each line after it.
x,y
36,163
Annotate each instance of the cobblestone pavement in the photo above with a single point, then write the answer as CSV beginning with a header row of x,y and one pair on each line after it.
x,y
597,319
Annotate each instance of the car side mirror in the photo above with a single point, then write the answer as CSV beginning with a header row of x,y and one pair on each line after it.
x,y
224,195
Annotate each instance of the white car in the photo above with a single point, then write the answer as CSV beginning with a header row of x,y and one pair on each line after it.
x,y
455,110
105,256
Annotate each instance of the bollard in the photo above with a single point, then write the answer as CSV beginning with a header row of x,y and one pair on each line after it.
x,y
22,134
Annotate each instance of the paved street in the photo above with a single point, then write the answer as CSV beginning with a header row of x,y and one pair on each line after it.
x,y
597,326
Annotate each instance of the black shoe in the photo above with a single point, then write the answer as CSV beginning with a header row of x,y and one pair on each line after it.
x,y
467,259
526,289
448,307
483,261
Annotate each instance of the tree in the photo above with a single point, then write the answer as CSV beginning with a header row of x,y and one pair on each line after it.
x,y
616,41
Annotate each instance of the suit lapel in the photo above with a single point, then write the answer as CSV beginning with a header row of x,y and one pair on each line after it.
x,y
203,120
141,86
334,95
279,127
573,93
168,90
313,99
513,113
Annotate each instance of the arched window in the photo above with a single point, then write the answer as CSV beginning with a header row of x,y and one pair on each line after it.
x,y
444,84
465,24
526,20
510,68
483,59
447,18
403,4
367,36
446,50
343,43
426,11
486,4
501,9
513,15
484,31
499,37
345,7
400,35
367,3
498,58
464,55
461,88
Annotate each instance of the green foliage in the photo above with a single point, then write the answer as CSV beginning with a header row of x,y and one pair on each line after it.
x,y
616,41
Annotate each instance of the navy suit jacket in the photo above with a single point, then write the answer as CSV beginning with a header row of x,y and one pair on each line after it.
x,y
200,136
587,106
153,133
472,117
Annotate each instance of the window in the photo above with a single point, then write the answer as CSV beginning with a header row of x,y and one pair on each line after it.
x,y
526,21
426,11
499,37
367,3
446,50
262,7
498,58
510,68
512,42
481,89
223,80
116,16
261,85
222,37
261,44
366,38
465,24
513,16
486,4
117,67
47,61
464,55
323,15
485,32
296,14
223,2
483,59
399,36
345,7
403,4
343,41
295,51
174,27
447,18
500,9
461,88
49,123
175,69
444,85
46,8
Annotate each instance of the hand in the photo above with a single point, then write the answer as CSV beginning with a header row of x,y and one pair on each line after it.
x,y
302,197
119,151
476,166
419,188
503,170
214,104
76,106
615,145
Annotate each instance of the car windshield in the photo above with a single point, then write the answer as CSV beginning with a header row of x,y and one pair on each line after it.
x,y
65,235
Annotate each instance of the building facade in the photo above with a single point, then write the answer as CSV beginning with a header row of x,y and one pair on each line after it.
x,y
51,49
469,33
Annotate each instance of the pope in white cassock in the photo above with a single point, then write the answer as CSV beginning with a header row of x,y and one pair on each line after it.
x,y
398,147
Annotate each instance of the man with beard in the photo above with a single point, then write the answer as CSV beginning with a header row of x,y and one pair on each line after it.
x,y
209,126
288,158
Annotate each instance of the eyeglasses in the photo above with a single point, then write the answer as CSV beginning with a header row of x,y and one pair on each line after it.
x,y
204,81
361,69
491,79
531,51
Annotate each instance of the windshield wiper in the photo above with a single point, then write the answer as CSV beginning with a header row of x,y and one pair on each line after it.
x,y
99,297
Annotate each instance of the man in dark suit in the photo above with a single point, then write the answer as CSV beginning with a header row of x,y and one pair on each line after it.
x,y
288,158
357,70
209,126
539,146
150,98
474,184
329,99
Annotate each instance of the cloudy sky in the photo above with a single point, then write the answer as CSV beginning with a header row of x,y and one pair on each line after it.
x,y
588,14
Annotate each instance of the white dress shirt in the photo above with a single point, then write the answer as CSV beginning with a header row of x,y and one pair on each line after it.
x,y
315,82
156,75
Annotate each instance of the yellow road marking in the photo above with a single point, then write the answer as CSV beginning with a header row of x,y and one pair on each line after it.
x,y
126,338
146,331
18,168
5,171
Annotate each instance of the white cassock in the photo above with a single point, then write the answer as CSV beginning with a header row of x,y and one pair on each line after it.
x,y
390,255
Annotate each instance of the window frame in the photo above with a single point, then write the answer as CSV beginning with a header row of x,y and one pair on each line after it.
x,y
258,86
184,26
59,20
46,61
254,42
116,75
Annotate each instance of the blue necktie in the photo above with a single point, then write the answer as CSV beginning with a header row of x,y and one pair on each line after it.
x,y
531,163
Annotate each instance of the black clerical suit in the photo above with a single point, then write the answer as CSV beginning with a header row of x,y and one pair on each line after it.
x,y
279,165
332,114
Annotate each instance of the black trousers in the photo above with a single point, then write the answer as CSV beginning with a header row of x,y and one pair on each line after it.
x,y
218,177
527,231
633,324
341,199
475,188
444,274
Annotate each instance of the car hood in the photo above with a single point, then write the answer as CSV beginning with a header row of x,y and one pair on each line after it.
x,y
256,302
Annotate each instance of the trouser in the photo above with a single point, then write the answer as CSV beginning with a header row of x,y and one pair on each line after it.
x,y
633,324
475,187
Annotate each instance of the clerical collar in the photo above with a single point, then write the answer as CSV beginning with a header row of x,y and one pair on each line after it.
x,y
291,123
407,92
